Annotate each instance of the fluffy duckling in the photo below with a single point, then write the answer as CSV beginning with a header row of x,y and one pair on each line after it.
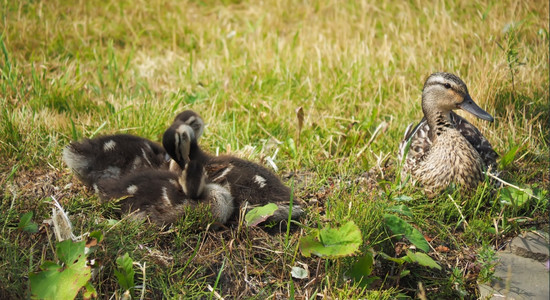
x,y
112,156
161,196
444,148
248,182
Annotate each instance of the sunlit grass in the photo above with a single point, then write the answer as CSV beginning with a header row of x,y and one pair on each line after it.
x,y
355,67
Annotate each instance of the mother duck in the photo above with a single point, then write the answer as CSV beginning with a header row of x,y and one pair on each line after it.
x,y
444,148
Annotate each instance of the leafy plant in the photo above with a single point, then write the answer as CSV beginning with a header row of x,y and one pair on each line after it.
x,y
413,257
361,270
26,224
511,30
509,156
401,227
125,272
515,197
63,281
332,242
487,258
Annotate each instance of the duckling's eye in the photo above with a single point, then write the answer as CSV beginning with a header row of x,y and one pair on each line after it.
x,y
447,85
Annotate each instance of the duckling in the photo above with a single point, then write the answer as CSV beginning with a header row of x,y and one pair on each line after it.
x,y
161,196
444,148
249,183
112,156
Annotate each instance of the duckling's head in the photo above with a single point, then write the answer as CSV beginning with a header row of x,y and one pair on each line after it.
x,y
444,92
177,142
192,119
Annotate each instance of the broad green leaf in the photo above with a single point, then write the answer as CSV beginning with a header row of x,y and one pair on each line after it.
x,y
512,196
292,147
26,223
423,259
68,251
404,273
57,282
298,273
401,227
332,242
259,214
362,269
125,271
98,235
25,219
401,209
110,222
90,291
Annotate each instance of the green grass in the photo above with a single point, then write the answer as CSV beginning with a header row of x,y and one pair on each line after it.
x,y
80,69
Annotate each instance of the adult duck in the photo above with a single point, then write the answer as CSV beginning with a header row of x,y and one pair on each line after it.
x,y
444,148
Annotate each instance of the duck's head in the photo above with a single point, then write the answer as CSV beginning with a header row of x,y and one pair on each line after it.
x,y
186,129
192,119
444,92
177,142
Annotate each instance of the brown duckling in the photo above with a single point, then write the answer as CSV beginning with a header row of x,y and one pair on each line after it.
x,y
113,156
249,183
161,196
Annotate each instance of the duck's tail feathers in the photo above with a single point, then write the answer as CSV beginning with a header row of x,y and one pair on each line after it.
x,y
282,213
75,157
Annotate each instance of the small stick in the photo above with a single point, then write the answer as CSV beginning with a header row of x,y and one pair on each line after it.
x,y
509,184
214,292
458,208
270,135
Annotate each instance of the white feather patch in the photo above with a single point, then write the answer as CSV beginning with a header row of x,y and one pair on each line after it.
x,y
145,157
224,173
132,189
165,198
109,146
259,180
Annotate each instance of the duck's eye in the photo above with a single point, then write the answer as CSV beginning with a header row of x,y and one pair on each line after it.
x,y
447,85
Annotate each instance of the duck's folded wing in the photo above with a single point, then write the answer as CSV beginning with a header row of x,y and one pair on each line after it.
x,y
416,141
476,139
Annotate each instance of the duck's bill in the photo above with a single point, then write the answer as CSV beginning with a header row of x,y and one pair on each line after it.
x,y
470,106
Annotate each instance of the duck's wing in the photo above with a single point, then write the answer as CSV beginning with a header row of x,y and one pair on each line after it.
x,y
415,144
477,140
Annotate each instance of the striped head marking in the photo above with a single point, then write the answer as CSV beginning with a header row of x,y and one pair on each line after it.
x,y
192,119
444,92
177,142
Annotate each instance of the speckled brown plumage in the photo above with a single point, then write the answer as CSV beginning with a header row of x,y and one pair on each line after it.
x,y
134,169
248,182
112,156
157,195
444,148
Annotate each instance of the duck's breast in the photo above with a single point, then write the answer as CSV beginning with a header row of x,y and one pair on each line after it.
x,y
451,158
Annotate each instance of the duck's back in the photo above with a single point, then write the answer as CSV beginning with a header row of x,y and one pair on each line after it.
x,y
112,156
248,181
153,194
